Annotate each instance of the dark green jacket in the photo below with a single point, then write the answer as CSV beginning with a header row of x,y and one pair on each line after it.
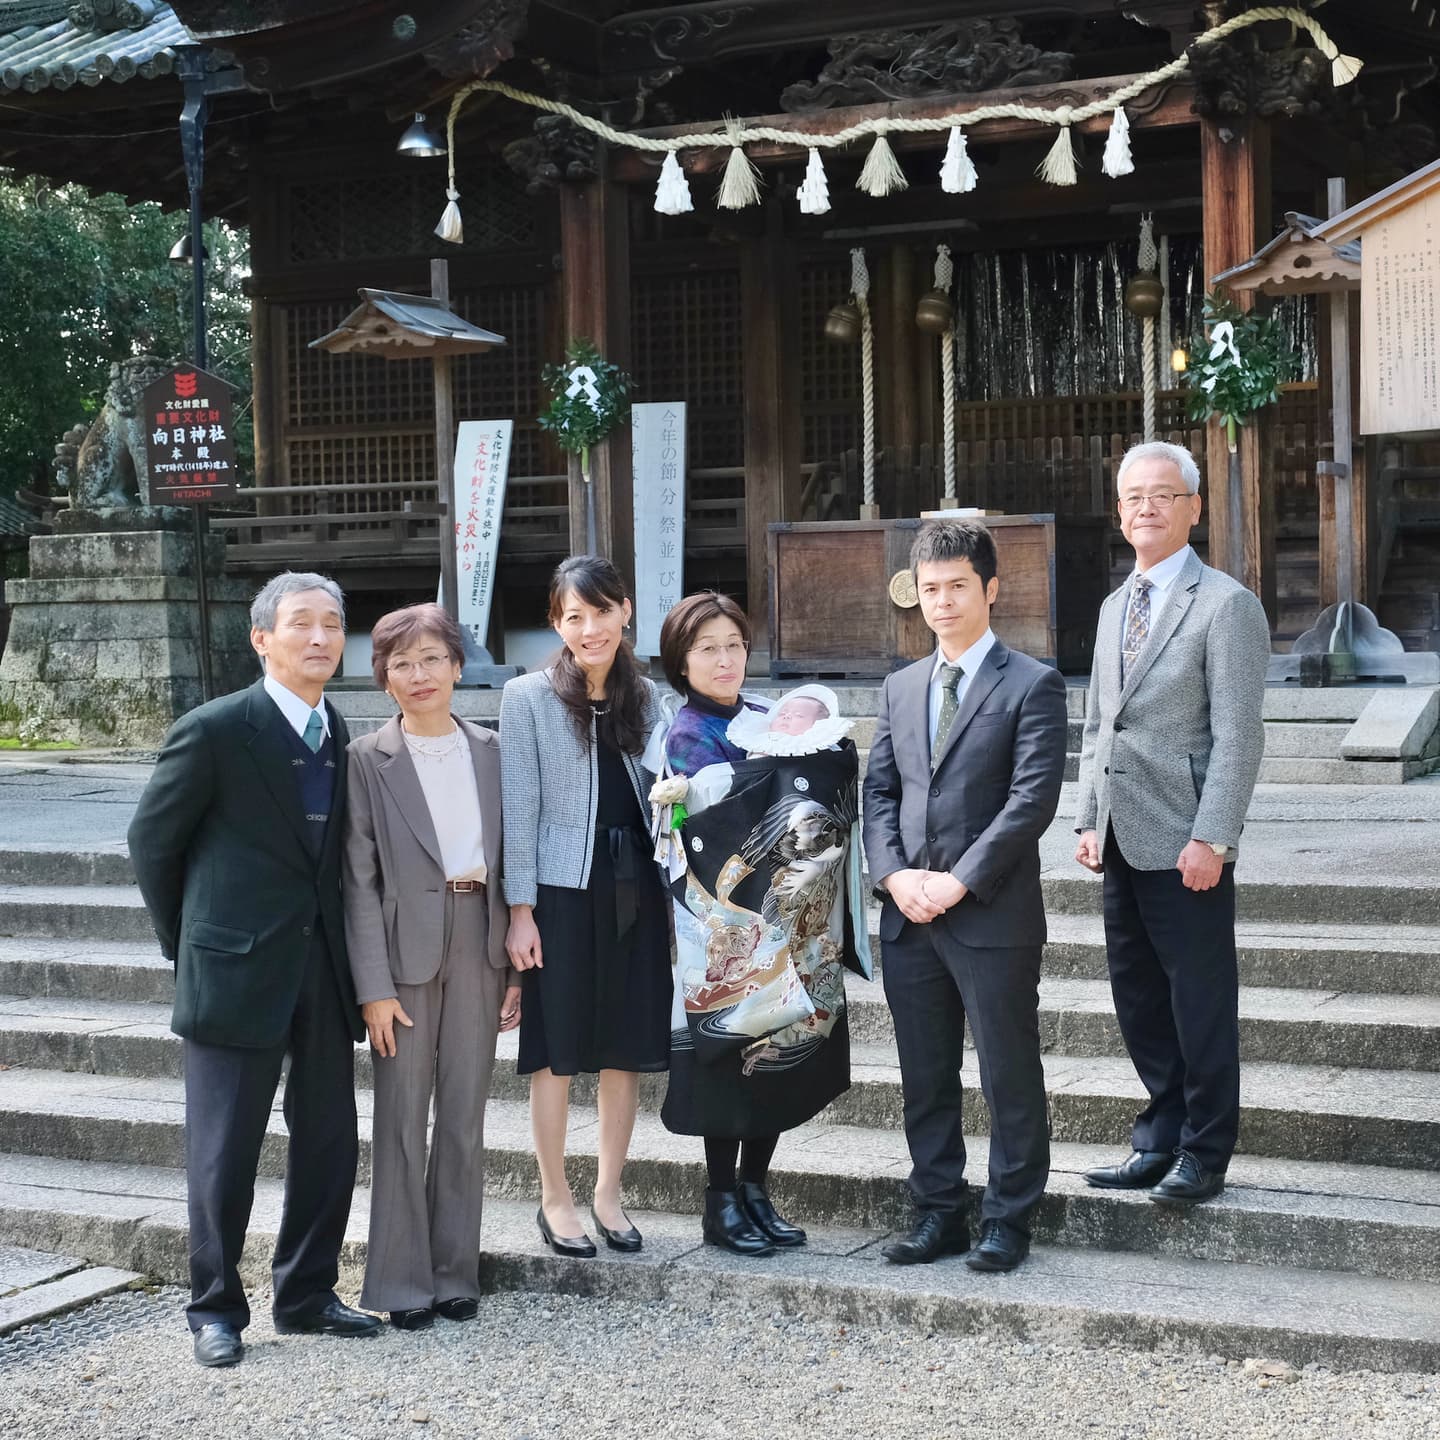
x,y
219,850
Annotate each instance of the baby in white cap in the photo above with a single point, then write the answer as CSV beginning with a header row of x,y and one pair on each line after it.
x,y
804,720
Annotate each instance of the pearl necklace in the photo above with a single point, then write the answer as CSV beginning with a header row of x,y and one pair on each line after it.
x,y
447,746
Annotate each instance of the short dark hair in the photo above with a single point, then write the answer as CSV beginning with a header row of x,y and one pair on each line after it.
x,y
941,540
400,628
685,621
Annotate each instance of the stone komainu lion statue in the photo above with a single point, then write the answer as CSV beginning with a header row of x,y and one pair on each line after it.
x,y
103,465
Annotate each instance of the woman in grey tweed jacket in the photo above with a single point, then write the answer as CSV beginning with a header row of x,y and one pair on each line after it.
x,y
588,917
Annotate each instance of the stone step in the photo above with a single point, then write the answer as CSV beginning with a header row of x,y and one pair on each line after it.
x,y
1286,770
1286,739
61,865
1366,1221
75,912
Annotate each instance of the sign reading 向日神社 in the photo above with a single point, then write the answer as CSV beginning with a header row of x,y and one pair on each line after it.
x,y
482,466
189,438
657,433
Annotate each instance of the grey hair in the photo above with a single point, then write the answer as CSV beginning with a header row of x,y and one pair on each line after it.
x,y
1177,455
266,605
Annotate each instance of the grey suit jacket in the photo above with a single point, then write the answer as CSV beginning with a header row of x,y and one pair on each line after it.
x,y
1172,755
981,814
394,875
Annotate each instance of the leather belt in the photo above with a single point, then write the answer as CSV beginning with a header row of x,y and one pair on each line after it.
x,y
464,887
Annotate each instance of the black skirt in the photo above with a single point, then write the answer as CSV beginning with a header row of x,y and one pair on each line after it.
x,y
601,1000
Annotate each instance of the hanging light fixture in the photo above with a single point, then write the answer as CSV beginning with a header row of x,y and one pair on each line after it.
x,y
419,141
1179,360
180,251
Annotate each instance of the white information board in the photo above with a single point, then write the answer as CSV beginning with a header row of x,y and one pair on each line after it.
x,y
482,466
657,432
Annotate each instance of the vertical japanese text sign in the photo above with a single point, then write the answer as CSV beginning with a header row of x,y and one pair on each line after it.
x,y
189,442
482,466
657,434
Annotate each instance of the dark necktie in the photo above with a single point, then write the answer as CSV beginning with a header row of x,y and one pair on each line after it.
x,y
949,703
1137,624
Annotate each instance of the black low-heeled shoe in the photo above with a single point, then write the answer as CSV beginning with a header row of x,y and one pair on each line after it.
x,y
755,1202
461,1307
627,1241
582,1247
412,1319
727,1225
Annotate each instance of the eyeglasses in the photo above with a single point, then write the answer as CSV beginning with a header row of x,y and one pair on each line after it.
x,y
404,669
1161,499
711,653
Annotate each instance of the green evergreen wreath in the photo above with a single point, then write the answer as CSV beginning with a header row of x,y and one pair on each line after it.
x,y
1246,359
582,420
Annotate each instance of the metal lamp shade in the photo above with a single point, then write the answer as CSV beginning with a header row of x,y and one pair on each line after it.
x,y
419,140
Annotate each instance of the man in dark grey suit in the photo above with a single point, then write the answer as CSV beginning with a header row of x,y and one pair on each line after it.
x,y
1173,743
964,776
236,845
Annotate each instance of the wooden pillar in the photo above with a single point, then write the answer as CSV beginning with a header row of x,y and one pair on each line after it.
x,y
1235,186
595,266
768,334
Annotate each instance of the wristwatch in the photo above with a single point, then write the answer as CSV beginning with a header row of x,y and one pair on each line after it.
x,y
1221,850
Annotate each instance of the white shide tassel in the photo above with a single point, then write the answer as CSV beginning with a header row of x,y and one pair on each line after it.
x,y
741,185
1118,161
1058,167
882,174
814,192
450,227
672,193
957,174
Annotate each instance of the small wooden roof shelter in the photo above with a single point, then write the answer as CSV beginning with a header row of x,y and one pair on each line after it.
x,y
397,326
1300,260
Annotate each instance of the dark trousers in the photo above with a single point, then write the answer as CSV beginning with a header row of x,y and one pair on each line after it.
x,y
933,983
1176,983
228,1095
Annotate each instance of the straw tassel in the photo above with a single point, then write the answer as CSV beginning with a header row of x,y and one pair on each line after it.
x,y
957,174
741,184
1058,167
1344,68
882,174
1118,160
450,227
814,192
672,193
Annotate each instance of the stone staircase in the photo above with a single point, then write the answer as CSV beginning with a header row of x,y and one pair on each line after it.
x,y
1326,1246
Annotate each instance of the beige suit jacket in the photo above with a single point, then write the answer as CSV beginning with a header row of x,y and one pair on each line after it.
x,y
394,880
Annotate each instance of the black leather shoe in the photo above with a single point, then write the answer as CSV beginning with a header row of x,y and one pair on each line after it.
x,y
580,1247
1187,1183
627,1240
412,1319
935,1234
462,1307
727,1225
218,1344
1001,1247
1139,1171
333,1318
755,1202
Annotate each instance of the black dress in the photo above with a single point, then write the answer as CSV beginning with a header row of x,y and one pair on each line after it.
x,y
601,1000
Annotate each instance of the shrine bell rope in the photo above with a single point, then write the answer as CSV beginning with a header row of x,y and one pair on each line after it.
x,y
944,280
1148,259
881,174
860,288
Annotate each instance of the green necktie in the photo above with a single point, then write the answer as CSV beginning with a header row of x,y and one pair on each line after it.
x,y
314,735
949,704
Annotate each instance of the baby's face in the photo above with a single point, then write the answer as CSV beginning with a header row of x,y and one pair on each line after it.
x,y
795,717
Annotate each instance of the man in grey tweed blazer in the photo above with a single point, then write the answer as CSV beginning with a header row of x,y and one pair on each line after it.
x,y
1173,741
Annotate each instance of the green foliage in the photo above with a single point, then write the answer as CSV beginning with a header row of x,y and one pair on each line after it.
x,y
574,421
1246,360
86,280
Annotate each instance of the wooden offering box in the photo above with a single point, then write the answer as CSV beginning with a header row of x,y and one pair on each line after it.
x,y
831,611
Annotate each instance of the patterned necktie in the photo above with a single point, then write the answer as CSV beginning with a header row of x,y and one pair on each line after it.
x,y
1137,624
314,735
949,704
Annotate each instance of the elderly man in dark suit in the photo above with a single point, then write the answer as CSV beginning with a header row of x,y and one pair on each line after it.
x,y
964,776
1172,747
237,845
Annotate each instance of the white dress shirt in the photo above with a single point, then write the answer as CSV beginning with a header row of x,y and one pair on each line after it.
x,y
453,799
969,663
294,709
1163,575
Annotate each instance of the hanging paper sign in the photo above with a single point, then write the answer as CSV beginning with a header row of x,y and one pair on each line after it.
x,y
189,439
482,466
657,433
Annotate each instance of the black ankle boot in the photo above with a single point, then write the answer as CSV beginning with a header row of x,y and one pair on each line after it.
x,y
727,1225
755,1201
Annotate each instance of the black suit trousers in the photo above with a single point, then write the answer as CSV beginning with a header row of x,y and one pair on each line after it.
x,y
1175,978
933,984
229,1091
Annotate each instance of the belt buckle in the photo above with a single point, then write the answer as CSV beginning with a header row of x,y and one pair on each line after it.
x,y
464,887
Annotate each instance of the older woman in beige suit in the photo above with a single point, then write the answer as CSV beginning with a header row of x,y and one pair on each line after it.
x,y
425,926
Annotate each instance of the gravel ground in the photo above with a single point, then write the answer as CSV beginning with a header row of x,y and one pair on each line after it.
x,y
534,1366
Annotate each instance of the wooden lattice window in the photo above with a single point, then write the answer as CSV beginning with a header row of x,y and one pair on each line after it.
x,y
829,373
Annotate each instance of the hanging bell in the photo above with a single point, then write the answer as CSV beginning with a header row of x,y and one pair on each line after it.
x,y
842,324
1145,295
935,313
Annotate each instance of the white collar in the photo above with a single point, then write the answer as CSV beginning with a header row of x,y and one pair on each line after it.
x,y
970,661
1164,574
294,709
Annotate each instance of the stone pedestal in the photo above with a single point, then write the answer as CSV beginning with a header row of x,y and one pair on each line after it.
x,y
104,637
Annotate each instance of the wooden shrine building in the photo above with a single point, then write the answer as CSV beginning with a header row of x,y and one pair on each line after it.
x,y
726,309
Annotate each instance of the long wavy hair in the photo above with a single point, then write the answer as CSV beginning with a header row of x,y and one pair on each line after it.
x,y
597,582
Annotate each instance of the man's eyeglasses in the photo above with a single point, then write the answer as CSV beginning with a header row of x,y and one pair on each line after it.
x,y
1160,499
